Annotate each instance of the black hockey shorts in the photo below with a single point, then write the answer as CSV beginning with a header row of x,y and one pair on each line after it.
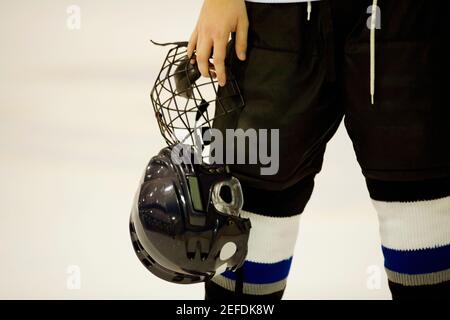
x,y
303,77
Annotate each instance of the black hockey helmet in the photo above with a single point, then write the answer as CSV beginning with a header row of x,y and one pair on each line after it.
x,y
182,228
185,224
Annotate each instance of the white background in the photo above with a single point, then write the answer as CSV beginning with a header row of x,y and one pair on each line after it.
x,y
76,130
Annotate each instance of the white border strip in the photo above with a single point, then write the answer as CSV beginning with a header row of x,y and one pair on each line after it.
x,y
251,288
419,279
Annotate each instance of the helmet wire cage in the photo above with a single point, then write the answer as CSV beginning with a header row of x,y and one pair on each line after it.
x,y
187,104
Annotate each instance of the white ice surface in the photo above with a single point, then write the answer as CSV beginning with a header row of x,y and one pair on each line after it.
x,y
76,130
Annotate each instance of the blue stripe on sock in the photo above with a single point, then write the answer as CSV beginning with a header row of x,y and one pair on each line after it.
x,y
263,273
418,261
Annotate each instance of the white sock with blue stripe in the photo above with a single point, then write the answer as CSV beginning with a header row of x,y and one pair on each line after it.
x,y
414,220
270,250
416,240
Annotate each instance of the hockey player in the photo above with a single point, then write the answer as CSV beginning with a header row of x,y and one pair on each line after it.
x,y
302,66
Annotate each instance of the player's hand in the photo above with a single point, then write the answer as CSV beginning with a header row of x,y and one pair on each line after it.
x,y
218,18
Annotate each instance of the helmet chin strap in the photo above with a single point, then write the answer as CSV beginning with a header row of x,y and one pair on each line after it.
x,y
202,109
239,284
176,43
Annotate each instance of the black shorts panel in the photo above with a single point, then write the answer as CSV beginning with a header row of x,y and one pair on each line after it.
x,y
405,135
284,81
289,84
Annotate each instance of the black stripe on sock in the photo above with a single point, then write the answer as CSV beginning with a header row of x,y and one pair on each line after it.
x,y
434,292
214,292
408,191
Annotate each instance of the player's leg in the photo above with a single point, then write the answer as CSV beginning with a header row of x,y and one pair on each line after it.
x,y
402,141
414,219
285,85
271,245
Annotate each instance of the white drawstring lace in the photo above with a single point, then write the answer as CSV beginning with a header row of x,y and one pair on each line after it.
x,y
373,27
308,10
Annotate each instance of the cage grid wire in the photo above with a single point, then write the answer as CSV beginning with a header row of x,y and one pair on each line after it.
x,y
186,104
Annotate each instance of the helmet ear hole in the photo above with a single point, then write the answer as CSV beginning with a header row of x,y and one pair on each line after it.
x,y
226,194
228,250
221,269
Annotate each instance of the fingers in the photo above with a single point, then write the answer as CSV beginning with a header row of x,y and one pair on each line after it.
x,y
203,53
220,48
192,43
241,38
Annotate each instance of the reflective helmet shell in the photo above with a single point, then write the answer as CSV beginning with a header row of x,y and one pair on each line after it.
x,y
177,231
